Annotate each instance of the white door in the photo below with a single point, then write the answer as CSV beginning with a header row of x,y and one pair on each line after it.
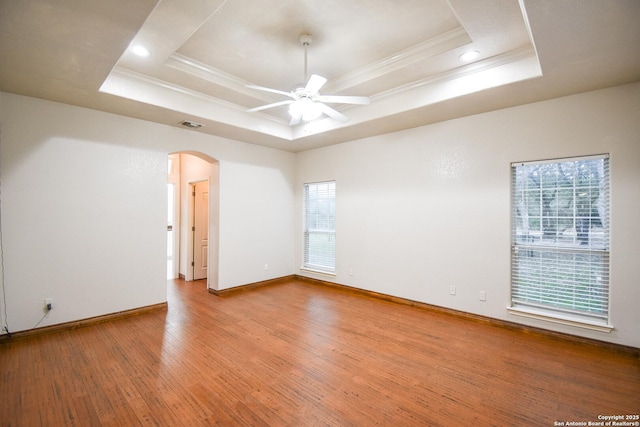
x,y
200,229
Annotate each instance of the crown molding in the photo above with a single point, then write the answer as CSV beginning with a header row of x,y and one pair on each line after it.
x,y
214,75
516,55
150,90
431,89
437,45
429,48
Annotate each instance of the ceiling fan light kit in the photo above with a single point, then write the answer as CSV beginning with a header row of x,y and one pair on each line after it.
x,y
304,109
306,103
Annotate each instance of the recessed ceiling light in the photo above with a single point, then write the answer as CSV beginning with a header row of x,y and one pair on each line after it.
x,y
470,55
140,50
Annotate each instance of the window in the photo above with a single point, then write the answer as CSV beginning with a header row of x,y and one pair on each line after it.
x,y
320,226
560,238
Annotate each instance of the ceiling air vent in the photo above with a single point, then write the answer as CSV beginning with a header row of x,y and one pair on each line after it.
x,y
190,124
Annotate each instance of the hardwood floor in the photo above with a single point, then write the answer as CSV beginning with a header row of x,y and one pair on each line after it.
x,y
301,354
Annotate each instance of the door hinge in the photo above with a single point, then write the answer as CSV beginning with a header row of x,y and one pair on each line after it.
x,y
193,264
193,228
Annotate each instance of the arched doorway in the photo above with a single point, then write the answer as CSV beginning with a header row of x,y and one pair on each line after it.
x,y
186,169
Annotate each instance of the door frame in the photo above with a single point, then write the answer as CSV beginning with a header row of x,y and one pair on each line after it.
x,y
191,210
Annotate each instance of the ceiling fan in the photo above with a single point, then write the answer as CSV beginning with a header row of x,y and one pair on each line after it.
x,y
306,103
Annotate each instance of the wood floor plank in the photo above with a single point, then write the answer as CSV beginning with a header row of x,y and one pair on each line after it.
x,y
302,354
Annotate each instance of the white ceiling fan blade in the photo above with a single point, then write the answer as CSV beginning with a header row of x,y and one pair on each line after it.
x,y
360,100
266,89
333,113
295,118
264,107
315,83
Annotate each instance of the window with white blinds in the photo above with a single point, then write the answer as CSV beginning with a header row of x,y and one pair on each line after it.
x,y
560,237
320,226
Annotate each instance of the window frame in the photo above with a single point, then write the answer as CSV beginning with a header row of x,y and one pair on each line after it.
x,y
328,268
562,248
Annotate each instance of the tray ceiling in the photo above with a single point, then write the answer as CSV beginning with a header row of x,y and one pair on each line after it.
x,y
403,54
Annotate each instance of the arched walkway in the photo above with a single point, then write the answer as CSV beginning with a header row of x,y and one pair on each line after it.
x,y
185,169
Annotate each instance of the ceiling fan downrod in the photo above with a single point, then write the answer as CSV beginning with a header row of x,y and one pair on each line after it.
x,y
305,41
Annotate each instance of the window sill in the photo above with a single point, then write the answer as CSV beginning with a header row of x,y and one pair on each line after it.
x,y
321,272
563,319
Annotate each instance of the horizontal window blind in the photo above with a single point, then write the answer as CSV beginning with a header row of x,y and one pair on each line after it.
x,y
560,236
320,226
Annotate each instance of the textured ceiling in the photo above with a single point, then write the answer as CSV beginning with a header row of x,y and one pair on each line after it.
x,y
403,54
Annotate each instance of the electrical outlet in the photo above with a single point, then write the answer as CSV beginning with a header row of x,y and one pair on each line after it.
x,y
48,304
452,290
483,295
266,267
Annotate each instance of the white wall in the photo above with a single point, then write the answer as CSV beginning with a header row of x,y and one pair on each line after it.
x,y
83,210
83,206
260,230
426,208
